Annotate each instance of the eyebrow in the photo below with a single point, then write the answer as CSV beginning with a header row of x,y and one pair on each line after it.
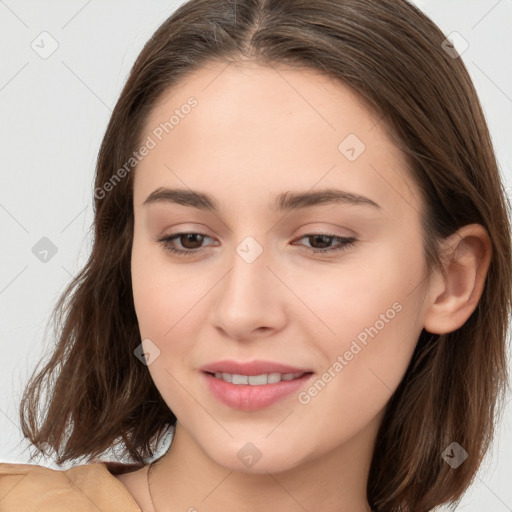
x,y
283,202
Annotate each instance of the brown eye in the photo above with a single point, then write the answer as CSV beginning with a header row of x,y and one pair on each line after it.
x,y
188,242
321,243
191,240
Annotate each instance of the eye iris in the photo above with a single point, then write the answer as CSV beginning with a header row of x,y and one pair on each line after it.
x,y
325,238
190,237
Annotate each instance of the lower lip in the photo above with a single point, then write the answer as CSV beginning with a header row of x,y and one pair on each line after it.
x,y
250,398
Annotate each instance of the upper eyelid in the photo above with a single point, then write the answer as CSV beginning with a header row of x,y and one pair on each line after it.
x,y
341,243
176,236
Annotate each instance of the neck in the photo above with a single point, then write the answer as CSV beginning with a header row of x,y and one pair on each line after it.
x,y
187,479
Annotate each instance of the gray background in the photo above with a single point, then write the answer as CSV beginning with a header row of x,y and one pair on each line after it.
x,y
54,111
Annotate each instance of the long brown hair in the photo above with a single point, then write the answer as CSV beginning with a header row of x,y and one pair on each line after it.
x,y
391,54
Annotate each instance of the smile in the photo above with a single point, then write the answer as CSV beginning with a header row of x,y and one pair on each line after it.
x,y
253,392
257,380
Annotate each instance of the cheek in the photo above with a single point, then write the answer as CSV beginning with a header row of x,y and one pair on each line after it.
x,y
167,299
147,289
368,321
365,363
154,294
351,296
163,305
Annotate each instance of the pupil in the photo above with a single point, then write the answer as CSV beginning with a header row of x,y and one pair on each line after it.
x,y
190,238
325,238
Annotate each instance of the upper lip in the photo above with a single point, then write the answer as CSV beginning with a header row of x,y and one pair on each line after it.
x,y
257,367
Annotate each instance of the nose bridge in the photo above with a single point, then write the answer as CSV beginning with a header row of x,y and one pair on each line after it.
x,y
248,275
246,297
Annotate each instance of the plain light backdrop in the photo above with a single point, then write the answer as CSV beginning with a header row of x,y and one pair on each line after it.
x,y
56,98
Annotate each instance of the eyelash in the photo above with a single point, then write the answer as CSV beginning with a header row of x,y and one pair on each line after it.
x,y
346,242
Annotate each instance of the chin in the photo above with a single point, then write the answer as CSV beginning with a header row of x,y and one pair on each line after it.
x,y
254,457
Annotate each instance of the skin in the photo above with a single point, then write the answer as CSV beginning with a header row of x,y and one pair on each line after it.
x,y
255,133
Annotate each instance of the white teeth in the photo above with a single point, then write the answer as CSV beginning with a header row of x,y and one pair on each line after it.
x,y
257,380
273,378
240,379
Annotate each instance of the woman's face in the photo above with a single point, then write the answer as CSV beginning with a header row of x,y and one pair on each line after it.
x,y
252,287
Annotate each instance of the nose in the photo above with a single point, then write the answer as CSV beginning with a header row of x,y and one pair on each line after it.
x,y
250,298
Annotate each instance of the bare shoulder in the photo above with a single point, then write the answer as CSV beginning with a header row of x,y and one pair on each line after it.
x,y
29,487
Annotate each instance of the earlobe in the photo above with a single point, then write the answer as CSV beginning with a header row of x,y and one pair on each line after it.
x,y
455,295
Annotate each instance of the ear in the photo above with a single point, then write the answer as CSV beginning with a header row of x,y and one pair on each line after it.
x,y
466,256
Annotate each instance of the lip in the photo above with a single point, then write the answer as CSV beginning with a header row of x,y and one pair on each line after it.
x,y
246,397
257,367
251,398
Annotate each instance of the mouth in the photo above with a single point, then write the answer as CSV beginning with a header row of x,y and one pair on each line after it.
x,y
253,392
252,368
257,380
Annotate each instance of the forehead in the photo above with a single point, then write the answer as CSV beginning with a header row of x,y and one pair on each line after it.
x,y
259,129
253,96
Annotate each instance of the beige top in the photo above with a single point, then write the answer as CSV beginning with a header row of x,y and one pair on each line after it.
x,y
86,488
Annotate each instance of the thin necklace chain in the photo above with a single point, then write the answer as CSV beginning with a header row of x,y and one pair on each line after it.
x,y
149,487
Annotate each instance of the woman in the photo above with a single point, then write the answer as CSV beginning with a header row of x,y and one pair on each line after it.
x,y
301,269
